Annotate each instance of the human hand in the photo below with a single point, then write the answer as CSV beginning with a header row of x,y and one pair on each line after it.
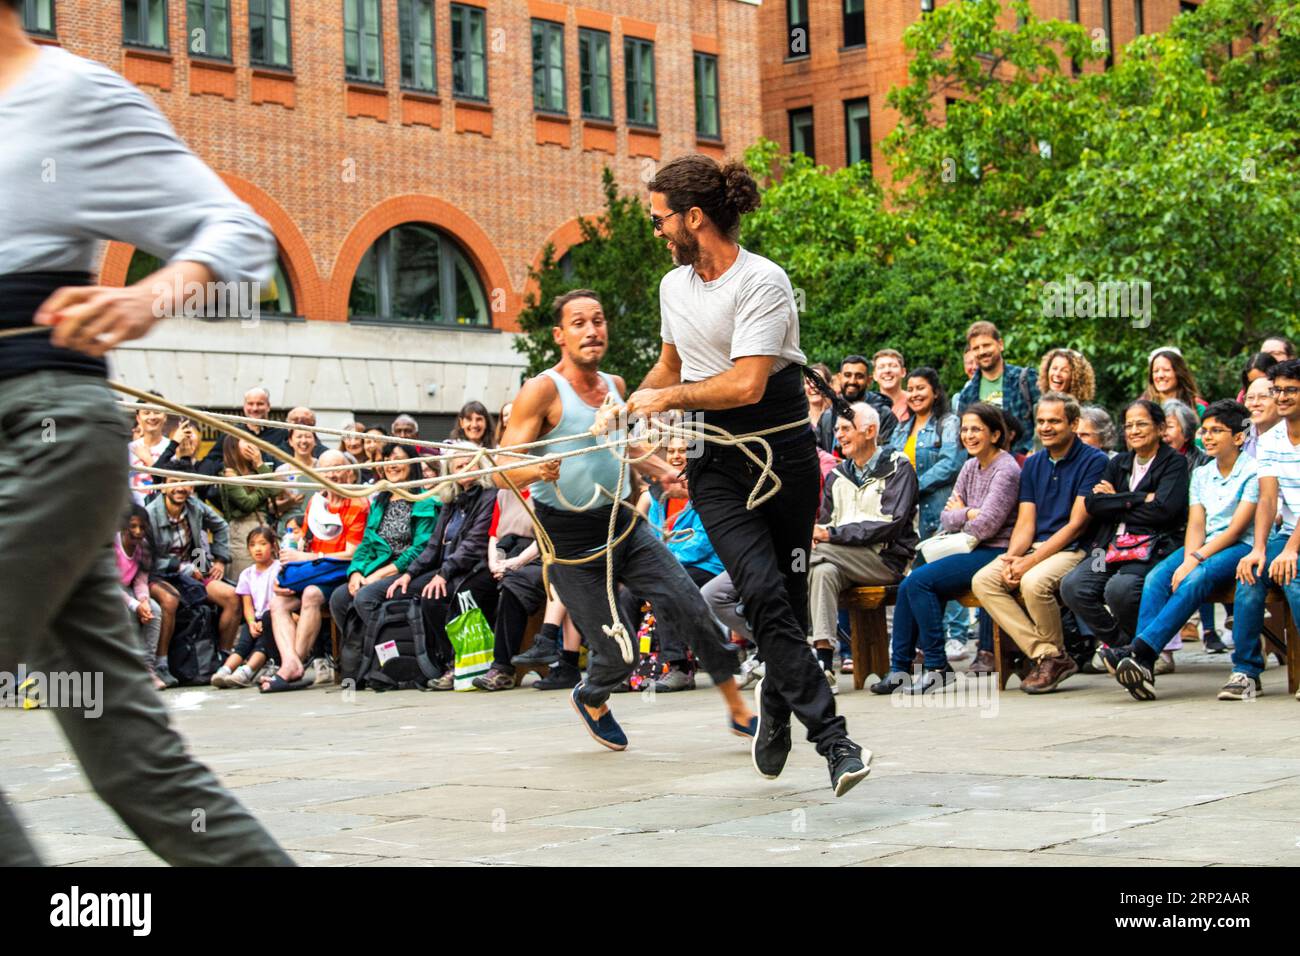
x,y
1250,566
399,586
436,588
95,319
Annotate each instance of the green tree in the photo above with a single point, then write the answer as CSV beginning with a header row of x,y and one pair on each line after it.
x,y
619,258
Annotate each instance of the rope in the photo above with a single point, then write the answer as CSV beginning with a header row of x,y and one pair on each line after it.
x,y
653,438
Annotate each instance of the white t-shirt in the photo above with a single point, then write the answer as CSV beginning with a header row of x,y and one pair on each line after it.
x,y
259,585
1280,459
748,310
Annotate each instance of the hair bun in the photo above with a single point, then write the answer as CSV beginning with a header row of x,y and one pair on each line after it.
x,y
741,190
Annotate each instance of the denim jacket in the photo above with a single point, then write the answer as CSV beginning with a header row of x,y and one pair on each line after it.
x,y
939,457
1019,396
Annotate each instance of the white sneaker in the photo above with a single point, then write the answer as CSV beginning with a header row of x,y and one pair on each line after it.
x,y
956,650
834,682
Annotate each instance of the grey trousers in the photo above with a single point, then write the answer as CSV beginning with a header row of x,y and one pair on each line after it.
x,y
645,565
63,491
831,569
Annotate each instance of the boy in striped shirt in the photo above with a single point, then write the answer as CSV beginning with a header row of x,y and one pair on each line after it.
x,y
1273,559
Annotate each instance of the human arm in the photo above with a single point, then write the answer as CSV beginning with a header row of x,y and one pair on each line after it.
x,y
998,502
528,418
742,384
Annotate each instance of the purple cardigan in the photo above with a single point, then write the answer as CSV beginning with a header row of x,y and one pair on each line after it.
x,y
994,491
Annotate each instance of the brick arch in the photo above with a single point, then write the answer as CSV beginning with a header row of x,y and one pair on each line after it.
x,y
563,238
308,288
429,210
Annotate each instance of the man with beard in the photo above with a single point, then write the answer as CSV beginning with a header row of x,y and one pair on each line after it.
x,y
122,175
1012,388
731,353
855,376
573,504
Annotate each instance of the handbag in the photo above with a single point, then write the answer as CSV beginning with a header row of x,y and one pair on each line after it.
x,y
297,576
1130,547
946,544
472,639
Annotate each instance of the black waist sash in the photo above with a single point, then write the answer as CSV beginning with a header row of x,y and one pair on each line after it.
x,y
21,294
784,402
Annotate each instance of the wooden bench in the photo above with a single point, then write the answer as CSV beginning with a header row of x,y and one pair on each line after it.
x,y
869,632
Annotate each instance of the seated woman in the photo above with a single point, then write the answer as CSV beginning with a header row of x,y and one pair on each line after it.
x,y
1220,532
288,507
929,439
396,532
244,507
294,641
1140,512
983,505
456,550
514,561
1181,424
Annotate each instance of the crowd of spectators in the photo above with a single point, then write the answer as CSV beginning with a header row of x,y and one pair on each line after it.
x,y
1018,495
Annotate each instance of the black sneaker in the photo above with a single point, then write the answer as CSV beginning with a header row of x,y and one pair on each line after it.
x,y
1136,678
849,764
561,676
1111,657
545,650
771,744
1213,643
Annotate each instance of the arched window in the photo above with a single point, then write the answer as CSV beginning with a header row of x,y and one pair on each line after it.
x,y
276,296
416,273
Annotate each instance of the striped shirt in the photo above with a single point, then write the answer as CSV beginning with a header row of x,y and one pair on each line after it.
x,y
1280,459
1220,496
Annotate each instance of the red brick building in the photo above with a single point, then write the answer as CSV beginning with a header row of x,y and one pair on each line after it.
x,y
827,65
413,158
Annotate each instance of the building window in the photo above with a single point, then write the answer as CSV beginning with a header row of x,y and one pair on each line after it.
x,y
796,18
708,118
209,28
469,52
1185,6
144,23
855,23
594,74
548,66
1110,36
268,33
38,16
363,48
415,33
857,117
1139,18
275,296
927,6
415,273
639,59
801,132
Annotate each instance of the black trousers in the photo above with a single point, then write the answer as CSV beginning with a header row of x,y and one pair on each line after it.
x,y
519,596
766,553
1107,600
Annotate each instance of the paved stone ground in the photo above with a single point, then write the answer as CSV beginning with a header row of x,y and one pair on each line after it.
x,y
1085,777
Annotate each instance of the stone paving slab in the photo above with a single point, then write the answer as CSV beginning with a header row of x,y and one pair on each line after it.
x,y
512,779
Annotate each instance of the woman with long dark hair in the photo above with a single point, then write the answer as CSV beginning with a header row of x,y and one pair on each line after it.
x,y
1168,377
474,424
243,506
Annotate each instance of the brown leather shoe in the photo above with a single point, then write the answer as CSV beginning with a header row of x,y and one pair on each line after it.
x,y
1049,673
983,663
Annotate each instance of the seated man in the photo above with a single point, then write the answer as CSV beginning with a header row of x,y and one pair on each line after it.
x,y
1220,533
185,558
1045,545
1272,560
293,640
865,534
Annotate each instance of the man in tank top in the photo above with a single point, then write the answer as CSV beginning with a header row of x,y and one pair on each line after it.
x,y
572,499
731,354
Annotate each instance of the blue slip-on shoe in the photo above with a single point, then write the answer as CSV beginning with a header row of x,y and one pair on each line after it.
x,y
744,730
604,731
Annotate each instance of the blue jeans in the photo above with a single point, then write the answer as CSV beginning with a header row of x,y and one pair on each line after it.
x,y
918,613
1248,612
1164,611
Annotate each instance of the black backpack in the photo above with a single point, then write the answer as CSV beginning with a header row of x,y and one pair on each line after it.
x,y
193,656
395,626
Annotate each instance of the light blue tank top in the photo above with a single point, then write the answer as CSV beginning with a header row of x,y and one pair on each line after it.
x,y
580,474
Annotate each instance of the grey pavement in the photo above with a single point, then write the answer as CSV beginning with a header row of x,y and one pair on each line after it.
x,y
1086,776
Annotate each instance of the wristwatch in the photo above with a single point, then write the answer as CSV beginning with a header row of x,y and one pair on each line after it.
x,y
1198,556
